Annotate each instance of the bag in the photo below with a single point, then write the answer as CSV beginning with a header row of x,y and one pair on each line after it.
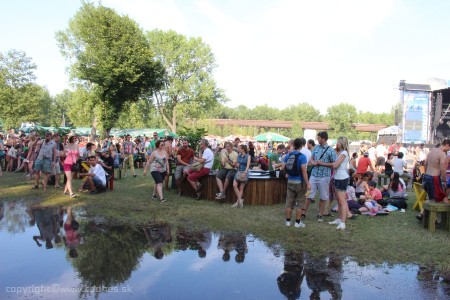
x,y
291,165
196,166
241,177
76,167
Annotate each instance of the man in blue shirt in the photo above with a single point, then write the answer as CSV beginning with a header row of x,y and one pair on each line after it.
x,y
321,175
295,165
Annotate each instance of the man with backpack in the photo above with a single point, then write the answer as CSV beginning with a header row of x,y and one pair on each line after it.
x,y
295,166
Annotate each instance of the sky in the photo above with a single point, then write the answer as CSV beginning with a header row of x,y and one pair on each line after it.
x,y
278,53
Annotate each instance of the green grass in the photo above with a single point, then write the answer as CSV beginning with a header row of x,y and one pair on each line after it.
x,y
397,238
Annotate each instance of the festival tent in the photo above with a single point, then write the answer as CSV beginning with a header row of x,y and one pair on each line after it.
x,y
143,131
271,137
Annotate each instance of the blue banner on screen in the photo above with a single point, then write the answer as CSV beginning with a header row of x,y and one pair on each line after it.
x,y
416,116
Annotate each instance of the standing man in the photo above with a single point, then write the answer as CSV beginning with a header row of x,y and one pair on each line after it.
x,y
435,176
57,169
321,175
305,150
294,164
206,158
184,156
46,160
128,151
228,159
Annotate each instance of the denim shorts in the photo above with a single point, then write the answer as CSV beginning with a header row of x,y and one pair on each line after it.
x,y
341,184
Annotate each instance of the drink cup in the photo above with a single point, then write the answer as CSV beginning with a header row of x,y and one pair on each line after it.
x,y
277,174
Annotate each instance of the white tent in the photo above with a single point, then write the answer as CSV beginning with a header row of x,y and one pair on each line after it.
x,y
392,130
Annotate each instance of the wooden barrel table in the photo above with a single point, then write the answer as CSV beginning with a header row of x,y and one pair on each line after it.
x,y
266,191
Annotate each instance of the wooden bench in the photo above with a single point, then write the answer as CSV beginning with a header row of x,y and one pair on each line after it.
x,y
256,192
421,196
385,178
431,209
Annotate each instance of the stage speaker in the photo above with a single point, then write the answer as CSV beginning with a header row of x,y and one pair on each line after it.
x,y
437,110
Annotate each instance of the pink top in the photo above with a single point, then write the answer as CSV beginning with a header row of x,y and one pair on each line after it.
x,y
71,157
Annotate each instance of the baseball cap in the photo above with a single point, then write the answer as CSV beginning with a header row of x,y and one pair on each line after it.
x,y
366,154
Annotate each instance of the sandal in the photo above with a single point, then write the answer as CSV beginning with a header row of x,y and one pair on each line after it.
x,y
35,187
73,195
162,200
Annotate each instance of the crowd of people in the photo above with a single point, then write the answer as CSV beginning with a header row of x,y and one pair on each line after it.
x,y
312,170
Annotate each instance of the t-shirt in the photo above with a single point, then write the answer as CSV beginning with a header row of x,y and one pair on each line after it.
x,y
307,153
381,150
300,161
372,153
127,147
399,164
208,156
376,194
227,157
341,171
363,165
99,172
186,154
109,161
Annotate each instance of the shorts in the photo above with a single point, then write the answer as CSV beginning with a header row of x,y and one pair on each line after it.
x,y
433,186
67,167
44,165
380,161
295,196
321,184
226,174
180,170
196,175
158,176
341,185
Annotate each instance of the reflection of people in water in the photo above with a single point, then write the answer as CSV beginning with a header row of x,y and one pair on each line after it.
x,y
324,276
229,242
47,220
158,235
193,240
72,238
290,281
2,210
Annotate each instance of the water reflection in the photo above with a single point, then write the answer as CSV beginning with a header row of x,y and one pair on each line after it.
x,y
162,262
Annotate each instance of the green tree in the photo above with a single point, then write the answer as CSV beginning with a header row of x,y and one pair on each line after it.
x,y
21,99
302,112
340,117
188,82
111,52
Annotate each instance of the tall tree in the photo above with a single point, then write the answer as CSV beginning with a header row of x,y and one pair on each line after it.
x,y
188,82
21,99
112,52
341,117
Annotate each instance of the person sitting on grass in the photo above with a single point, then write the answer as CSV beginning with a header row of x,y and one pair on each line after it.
x,y
389,165
229,163
396,188
95,179
361,186
373,193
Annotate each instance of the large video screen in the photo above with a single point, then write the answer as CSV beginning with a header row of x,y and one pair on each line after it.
x,y
416,116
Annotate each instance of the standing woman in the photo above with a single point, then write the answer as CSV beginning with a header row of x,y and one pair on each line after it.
x,y
241,177
32,154
72,153
341,178
159,164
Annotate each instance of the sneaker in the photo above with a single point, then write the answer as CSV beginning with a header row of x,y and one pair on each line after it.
x,y
134,175
335,222
319,218
299,225
341,226
154,197
220,196
287,223
419,217
73,195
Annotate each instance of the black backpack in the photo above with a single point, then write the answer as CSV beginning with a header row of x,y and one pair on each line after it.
x,y
291,164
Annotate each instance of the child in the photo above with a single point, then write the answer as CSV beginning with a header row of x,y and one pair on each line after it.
x,y
373,193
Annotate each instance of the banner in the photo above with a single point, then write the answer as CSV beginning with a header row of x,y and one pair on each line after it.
x,y
416,116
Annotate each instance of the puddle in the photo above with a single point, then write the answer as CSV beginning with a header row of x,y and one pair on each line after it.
x,y
45,254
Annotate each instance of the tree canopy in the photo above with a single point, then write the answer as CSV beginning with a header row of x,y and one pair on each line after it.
x,y
189,87
111,52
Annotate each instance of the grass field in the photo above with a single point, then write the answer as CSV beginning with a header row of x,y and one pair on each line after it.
x,y
397,238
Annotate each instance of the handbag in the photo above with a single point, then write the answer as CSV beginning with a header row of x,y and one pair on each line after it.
x,y
76,165
241,177
196,166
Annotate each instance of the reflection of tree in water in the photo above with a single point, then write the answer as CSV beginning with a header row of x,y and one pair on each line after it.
x,y
232,241
324,274
290,281
199,241
13,216
159,239
108,255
